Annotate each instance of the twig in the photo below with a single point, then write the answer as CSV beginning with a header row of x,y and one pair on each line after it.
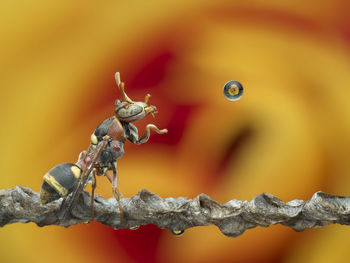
x,y
22,204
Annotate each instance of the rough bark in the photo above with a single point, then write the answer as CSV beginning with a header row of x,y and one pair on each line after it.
x,y
22,204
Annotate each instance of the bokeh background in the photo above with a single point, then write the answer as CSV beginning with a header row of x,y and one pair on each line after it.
x,y
288,135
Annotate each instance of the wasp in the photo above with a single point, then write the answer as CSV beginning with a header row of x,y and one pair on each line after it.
x,y
106,146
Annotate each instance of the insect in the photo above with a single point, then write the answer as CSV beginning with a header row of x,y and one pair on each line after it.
x,y
106,146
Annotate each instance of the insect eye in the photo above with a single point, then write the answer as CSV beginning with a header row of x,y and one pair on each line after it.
x,y
117,102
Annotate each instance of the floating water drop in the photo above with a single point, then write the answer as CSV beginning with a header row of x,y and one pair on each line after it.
x,y
134,227
178,232
233,90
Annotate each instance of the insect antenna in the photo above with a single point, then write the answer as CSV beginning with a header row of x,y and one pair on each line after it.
x,y
121,86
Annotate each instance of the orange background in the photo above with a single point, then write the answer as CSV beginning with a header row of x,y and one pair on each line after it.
x,y
288,135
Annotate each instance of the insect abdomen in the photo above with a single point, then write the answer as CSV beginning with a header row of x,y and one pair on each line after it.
x,y
60,181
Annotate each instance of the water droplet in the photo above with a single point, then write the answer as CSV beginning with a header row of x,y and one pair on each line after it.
x,y
134,227
178,232
233,90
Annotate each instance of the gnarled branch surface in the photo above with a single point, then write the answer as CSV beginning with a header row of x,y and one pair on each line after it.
x,y
22,204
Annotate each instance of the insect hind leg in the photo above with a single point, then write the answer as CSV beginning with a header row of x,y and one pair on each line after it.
x,y
93,187
116,193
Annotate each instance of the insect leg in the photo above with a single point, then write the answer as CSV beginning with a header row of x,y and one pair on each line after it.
x,y
116,193
145,136
84,178
93,187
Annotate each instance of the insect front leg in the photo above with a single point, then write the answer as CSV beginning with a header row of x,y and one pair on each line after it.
x,y
133,137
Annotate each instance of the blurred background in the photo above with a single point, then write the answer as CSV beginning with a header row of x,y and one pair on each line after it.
x,y
288,135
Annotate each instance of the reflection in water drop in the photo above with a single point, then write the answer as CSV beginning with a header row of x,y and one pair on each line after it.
x,y
178,232
233,90
134,227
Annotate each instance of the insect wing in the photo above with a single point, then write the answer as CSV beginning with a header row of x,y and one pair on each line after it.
x,y
84,178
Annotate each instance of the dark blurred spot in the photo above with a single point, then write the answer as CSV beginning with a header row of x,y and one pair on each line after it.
x,y
233,150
